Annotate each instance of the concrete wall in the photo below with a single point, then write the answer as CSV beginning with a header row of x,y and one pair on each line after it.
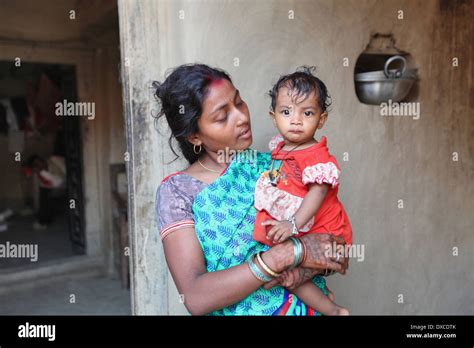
x,y
110,139
409,250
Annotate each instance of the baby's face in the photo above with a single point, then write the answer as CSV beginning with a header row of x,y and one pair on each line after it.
x,y
297,118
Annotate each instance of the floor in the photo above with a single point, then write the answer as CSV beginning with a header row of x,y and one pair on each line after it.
x,y
85,295
53,242
72,294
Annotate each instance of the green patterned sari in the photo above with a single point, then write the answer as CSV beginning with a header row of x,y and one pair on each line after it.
x,y
224,217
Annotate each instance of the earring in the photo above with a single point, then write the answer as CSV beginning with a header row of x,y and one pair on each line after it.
x,y
197,152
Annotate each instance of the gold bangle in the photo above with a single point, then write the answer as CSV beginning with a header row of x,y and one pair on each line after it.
x,y
265,267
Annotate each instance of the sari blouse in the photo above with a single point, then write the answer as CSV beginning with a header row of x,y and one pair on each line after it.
x,y
174,200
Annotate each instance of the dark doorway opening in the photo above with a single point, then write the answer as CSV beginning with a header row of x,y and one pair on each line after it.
x,y
41,200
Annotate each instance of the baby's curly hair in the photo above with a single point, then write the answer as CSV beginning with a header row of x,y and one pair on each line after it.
x,y
302,82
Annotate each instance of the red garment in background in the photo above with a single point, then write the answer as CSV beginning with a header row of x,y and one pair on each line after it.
x,y
44,104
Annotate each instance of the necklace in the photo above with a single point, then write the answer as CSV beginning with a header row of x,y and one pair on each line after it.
x,y
274,174
211,170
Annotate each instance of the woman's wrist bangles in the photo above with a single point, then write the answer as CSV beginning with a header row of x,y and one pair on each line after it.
x,y
304,253
265,267
299,250
257,272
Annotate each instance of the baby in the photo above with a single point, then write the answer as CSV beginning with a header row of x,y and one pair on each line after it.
x,y
298,194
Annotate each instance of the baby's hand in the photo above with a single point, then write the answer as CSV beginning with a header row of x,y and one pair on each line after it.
x,y
280,231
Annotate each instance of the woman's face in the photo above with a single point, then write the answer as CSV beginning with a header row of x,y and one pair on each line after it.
x,y
225,121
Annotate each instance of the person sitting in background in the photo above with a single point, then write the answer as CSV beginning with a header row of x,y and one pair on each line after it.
x,y
51,174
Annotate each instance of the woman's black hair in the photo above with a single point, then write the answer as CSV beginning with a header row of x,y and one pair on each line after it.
x,y
181,96
302,82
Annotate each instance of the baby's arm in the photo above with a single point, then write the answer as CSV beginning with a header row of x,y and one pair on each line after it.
x,y
281,230
311,203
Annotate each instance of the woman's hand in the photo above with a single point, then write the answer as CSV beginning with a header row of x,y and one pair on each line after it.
x,y
320,256
293,278
321,253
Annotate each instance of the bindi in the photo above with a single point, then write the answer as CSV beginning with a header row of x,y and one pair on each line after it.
x,y
215,82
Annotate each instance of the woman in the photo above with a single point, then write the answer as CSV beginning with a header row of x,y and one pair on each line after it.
x,y
206,213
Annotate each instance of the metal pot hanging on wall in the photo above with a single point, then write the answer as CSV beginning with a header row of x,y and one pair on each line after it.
x,y
383,72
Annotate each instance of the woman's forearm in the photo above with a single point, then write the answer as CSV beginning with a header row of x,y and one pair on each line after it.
x,y
211,291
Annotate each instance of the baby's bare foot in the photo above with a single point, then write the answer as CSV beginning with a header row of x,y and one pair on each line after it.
x,y
339,311
342,311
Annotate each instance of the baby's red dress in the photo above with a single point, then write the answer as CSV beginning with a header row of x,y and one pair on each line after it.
x,y
299,168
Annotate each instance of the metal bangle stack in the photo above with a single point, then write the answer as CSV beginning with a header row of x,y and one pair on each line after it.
x,y
298,252
256,271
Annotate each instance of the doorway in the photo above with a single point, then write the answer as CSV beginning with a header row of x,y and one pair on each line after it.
x,y
41,204
72,50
